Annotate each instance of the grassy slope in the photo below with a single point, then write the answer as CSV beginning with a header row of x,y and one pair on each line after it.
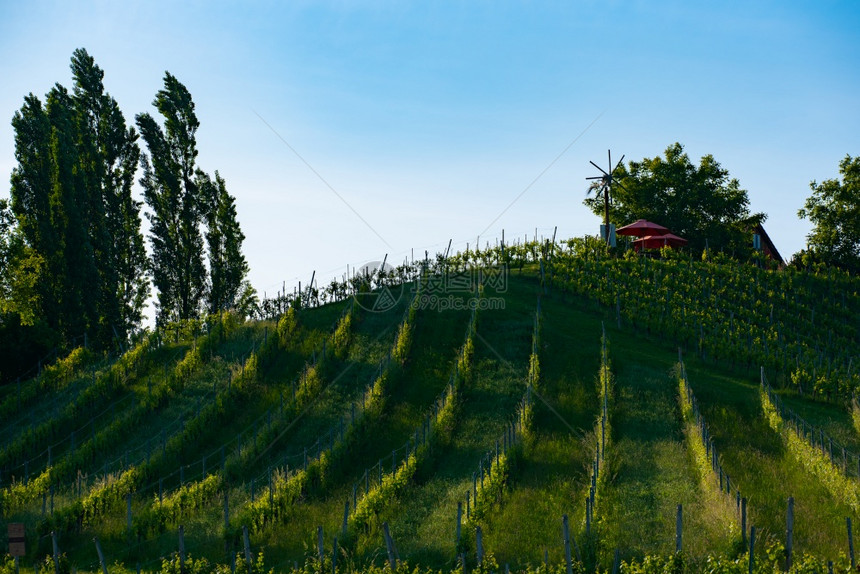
x,y
423,521
758,462
554,471
649,464
436,339
652,471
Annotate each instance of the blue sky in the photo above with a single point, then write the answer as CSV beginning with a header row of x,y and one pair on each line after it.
x,y
430,118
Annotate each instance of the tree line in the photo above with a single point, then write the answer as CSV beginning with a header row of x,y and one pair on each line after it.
x,y
75,269
706,206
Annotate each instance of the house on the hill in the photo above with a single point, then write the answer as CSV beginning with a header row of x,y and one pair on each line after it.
x,y
762,241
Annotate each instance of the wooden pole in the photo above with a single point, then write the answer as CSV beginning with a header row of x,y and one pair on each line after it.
x,y
181,549
789,533
678,528
56,552
459,520
320,546
850,542
101,556
247,541
389,546
566,534
479,541
744,520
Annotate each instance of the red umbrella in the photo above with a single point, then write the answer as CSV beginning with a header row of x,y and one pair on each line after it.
x,y
658,241
642,228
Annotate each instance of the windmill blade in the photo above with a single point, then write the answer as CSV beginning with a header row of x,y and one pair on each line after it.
x,y
609,155
619,163
595,177
598,167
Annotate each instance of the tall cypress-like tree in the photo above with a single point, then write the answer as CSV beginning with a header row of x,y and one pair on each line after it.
x,y
174,198
227,264
31,200
71,196
110,156
73,264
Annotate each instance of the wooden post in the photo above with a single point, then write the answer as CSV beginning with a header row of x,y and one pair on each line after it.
x,y
744,520
101,556
678,528
128,511
479,541
320,546
247,541
752,548
226,510
345,516
56,552
459,521
789,533
181,549
587,515
850,542
616,563
565,530
389,546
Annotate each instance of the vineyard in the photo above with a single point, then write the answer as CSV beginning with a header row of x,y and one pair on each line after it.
x,y
539,406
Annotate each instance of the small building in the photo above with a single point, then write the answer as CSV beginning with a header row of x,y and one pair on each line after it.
x,y
762,241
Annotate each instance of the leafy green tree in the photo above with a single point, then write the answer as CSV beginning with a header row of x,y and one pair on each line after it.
x,y
227,265
176,206
698,203
834,210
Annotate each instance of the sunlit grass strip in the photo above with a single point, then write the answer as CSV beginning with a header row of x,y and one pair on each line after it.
x,y
287,487
154,518
814,461
80,511
602,430
107,384
696,436
493,482
440,426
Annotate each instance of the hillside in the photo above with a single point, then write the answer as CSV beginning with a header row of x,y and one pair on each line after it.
x,y
606,390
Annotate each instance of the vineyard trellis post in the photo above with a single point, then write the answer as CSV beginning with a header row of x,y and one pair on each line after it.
x,y
459,521
678,528
247,542
789,533
101,556
850,542
181,549
56,549
389,546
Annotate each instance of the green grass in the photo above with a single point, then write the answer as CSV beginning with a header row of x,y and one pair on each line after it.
x,y
554,470
423,519
650,470
763,469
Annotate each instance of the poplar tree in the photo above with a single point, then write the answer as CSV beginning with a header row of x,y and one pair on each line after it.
x,y
227,264
110,155
176,207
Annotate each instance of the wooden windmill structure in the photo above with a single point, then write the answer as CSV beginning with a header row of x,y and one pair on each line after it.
x,y
606,181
